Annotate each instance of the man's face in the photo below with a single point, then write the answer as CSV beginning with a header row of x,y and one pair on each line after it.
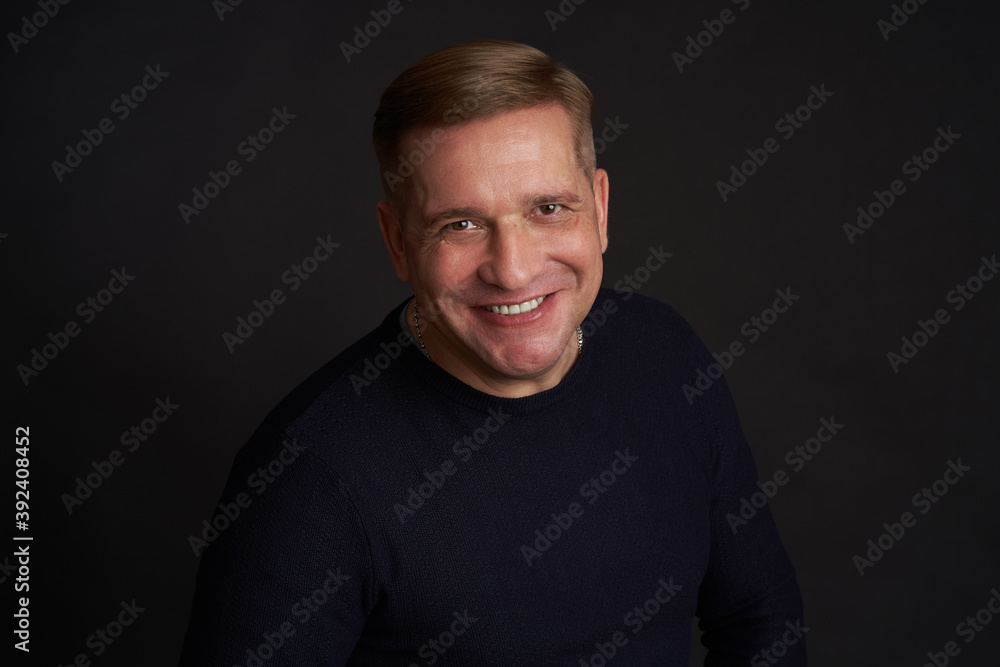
x,y
501,215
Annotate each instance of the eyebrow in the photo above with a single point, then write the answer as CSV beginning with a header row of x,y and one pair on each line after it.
x,y
463,212
567,196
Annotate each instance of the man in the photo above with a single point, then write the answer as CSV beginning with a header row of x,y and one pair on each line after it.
x,y
478,482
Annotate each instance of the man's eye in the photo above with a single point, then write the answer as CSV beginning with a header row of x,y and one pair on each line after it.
x,y
549,209
459,226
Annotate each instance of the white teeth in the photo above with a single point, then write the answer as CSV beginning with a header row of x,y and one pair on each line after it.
x,y
517,308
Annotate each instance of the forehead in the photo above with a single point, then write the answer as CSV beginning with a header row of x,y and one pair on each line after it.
x,y
495,161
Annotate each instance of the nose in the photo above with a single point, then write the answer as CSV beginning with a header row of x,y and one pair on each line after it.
x,y
515,257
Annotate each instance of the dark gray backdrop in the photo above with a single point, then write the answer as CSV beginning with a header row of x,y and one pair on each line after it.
x,y
678,133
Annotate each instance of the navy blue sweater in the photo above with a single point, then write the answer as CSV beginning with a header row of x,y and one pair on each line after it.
x,y
389,514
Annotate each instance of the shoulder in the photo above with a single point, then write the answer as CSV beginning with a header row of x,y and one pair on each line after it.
x,y
335,402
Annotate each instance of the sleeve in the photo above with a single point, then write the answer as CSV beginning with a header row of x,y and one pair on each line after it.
x,y
287,579
749,603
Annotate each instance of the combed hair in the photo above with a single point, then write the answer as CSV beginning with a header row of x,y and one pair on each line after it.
x,y
471,81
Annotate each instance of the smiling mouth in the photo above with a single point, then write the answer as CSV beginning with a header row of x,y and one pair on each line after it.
x,y
516,308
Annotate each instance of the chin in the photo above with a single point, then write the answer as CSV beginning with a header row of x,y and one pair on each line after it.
x,y
527,361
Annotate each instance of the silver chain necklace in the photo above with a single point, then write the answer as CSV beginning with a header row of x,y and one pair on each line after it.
x,y
420,338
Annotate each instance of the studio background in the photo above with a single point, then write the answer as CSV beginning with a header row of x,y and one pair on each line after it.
x,y
222,72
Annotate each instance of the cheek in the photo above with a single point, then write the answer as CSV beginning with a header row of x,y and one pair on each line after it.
x,y
578,242
446,269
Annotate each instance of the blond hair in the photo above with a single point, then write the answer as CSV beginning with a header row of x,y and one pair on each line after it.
x,y
470,81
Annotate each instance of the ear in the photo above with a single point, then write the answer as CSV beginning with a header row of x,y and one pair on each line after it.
x,y
392,234
601,192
